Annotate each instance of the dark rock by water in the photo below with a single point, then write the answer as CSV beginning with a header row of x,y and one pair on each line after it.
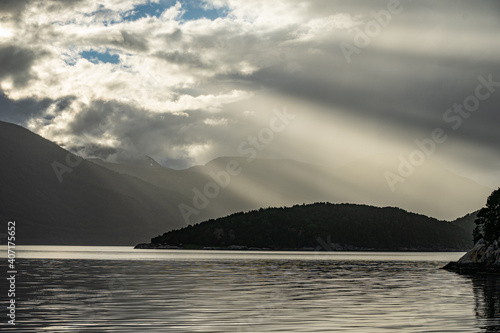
x,y
483,258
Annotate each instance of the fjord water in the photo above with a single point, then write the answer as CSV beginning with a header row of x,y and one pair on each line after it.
x,y
110,289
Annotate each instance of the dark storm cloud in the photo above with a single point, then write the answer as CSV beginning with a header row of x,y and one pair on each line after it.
x,y
21,111
420,10
138,132
13,6
416,105
407,87
131,41
174,36
182,58
95,150
15,63
16,7
55,5
64,103
122,40
166,137
426,59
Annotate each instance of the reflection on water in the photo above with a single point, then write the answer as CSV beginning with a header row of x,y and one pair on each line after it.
x,y
487,291
250,295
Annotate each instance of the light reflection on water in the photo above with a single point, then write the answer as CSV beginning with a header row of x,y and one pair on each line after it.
x,y
252,294
127,253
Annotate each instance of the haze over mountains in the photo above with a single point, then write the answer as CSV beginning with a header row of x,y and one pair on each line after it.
x,y
100,203
268,183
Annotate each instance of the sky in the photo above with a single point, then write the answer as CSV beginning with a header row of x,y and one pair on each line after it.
x,y
188,81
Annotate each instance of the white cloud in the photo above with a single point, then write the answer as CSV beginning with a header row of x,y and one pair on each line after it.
x,y
210,72
5,33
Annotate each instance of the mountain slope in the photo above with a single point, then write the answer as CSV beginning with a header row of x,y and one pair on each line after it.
x,y
266,183
88,202
90,206
467,223
260,183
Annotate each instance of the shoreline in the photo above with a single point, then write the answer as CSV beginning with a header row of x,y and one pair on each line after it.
x,y
151,246
483,258
472,268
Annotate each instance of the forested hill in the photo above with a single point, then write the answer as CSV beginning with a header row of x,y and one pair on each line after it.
x,y
323,226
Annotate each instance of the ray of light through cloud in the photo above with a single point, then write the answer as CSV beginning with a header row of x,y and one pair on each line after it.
x,y
183,81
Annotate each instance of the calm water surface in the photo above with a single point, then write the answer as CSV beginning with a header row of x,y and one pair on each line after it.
x,y
117,289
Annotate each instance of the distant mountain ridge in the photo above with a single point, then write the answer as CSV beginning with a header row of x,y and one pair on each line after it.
x,y
270,183
61,199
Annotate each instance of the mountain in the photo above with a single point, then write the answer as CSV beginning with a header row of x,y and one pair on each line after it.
x,y
85,205
260,183
323,225
267,183
58,198
467,222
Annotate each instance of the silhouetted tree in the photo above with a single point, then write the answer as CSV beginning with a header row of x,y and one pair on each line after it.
x,y
488,219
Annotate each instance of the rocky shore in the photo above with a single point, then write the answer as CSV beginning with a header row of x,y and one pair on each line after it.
x,y
483,258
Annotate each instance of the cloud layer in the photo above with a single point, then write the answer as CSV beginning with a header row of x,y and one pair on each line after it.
x,y
185,82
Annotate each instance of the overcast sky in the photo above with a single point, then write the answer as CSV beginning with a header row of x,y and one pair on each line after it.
x,y
185,82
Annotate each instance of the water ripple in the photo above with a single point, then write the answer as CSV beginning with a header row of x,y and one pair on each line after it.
x,y
289,295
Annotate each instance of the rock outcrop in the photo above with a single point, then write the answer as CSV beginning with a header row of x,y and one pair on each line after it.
x,y
483,258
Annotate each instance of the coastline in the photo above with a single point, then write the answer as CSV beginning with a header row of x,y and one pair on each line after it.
x,y
153,246
483,258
